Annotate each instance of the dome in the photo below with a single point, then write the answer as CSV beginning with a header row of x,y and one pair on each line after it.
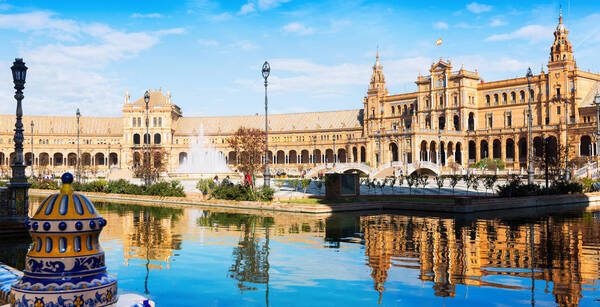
x,y
561,28
65,264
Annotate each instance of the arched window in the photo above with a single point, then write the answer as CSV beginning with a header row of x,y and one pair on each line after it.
x,y
157,138
531,94
513,97
487,100
393,110
441,101
133,122
160,121
136,139
495,99
504,99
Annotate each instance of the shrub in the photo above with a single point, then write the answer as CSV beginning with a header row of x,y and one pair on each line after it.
x,y
44,184
163,188
123,186
514,188
205,186
586,183
265,193
490,164
233,192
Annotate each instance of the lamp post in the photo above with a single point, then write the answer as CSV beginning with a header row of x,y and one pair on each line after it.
x,y
334,155
120,155
32,156
378,133
567,173
266,71
19,199
146,142
78,115
597,102
109,155
314,151
529,124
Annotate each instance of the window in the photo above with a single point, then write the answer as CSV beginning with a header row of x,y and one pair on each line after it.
x,y
558,110
455,100
160,121
490,121
508,119
133,122
504,100
558,93
495,99
441,101
513,97
522,96
154,122
393,110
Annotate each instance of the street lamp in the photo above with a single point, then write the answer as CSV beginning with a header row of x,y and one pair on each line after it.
x,y
529,124
120,156
597,102
78,115
314,150
146,141
567,173
18,183
266,71
32,156
334,155
109,155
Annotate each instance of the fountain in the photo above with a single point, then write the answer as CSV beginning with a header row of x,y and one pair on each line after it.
x,y
202,161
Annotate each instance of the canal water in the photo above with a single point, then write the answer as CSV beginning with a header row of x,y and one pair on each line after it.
x,y
222,257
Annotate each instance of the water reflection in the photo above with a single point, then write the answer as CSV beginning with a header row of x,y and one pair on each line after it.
x,y
285,259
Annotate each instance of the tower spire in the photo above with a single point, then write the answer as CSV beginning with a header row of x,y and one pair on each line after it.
x,y
377,56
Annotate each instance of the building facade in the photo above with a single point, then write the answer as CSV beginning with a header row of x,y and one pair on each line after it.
x,y
453,120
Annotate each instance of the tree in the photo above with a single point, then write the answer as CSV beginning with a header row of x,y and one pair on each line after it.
x,y
153,163
249,145
454,179
410,181
439,181
305,183
423,179
489,182
468,179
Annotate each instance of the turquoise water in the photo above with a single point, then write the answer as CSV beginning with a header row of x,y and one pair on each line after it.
x,y
212,257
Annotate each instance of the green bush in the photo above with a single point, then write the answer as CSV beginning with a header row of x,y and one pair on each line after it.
x,y
265,193
123,186
163,188
233,192
587,183
3,183
205,186
490,164
515,188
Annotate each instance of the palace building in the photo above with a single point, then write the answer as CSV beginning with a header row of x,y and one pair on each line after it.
x,y
454,119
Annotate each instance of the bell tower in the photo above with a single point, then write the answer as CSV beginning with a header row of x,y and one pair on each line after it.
x,y
561,52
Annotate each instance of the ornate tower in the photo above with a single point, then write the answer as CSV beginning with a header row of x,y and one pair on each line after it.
x,y
561,52
375,110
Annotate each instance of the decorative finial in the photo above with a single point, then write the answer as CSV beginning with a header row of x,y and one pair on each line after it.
x,y
377,56
560,14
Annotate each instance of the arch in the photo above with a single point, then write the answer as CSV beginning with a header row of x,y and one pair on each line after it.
x,y
2,158
496,149
394,152
231,157
317,156
450,150
28,159
428,122
521,96
136,139
504,98
432,152
585,146
11,158
483,149
146,138
57,159
458,154
471,122
405,110
354,154
442,122
304,156
86,159
538,147
513,97
280,157
472,151
137,159
113,159
496,99
456,122
522,144
363,154
552,148
423,151
510,149
328,156
341,155
487,100
72,159
99,158
293,157
157,138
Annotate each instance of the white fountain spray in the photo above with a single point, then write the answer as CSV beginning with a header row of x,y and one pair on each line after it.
x,y
203,158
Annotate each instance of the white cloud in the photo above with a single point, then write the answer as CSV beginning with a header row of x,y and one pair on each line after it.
x,y
222,17
208,43
440,25
478,8
150,15
244,45
532,33
496,22
269,4
62,29
247,8
298,28
63,76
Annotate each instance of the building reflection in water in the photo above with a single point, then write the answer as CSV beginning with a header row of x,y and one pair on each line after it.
x,y
556,254
565,254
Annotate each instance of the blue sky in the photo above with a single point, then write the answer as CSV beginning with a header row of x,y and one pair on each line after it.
x,y
208,54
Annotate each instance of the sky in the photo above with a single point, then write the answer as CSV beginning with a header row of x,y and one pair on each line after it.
x,y
208,54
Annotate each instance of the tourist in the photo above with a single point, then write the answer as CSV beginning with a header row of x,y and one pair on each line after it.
x,y
216,180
